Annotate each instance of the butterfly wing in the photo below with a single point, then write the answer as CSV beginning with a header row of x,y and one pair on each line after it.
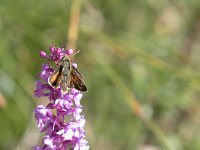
x,y
55,78
76,80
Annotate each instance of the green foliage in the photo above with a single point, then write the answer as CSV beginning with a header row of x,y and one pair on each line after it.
x,y
134,54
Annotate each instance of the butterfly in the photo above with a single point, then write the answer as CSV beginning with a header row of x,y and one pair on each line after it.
x,y
67,76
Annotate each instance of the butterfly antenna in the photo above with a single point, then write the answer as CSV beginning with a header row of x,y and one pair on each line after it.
x,y
76,52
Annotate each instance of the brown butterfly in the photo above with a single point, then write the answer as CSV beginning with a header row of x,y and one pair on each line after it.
x,y
67,76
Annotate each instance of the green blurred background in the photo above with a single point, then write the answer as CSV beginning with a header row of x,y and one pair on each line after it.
x,y
140,61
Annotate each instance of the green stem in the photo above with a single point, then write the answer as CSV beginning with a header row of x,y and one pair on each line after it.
x,y
73,24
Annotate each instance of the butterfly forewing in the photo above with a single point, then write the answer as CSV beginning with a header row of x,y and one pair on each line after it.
x,y
76,80
55,78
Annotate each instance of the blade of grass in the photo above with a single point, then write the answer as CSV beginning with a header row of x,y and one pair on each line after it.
x,y
73,24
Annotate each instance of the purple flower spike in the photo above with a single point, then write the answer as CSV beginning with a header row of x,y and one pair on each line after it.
x,y
61,119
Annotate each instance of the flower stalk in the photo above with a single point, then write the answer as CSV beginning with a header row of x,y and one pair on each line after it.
x,y
61,119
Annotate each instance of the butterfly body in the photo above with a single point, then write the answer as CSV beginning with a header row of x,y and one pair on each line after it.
x,y
67,76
